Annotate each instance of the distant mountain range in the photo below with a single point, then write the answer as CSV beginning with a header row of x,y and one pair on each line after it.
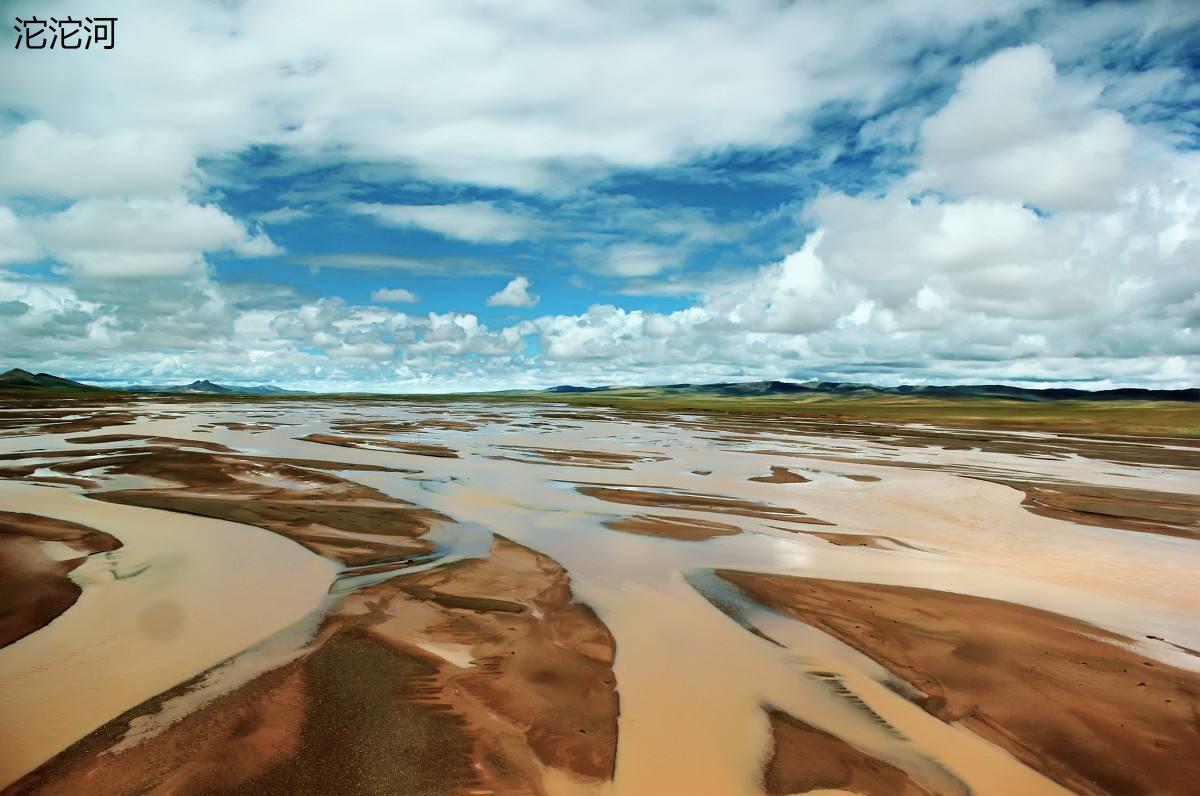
x,y
211,388
23,379
765,388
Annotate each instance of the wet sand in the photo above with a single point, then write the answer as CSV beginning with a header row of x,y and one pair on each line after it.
x,y
805,759
1145,510
34,583
678,499
422,683
1066,698
691,530
781,475
416,448
180,595
513,627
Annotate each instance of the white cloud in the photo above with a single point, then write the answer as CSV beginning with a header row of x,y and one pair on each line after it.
x,y
39,159
1016,131
478,222
283,215
145,237
949,274
514,294
631,260
393,295
17,244
528,97
794,296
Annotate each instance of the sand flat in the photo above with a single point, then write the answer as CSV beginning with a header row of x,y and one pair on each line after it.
x,y
1070,699
414,566
179,596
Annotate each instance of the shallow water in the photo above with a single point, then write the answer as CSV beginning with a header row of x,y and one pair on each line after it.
x,y
182,594
692,683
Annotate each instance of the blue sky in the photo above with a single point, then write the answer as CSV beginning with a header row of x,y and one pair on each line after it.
x,y
470,196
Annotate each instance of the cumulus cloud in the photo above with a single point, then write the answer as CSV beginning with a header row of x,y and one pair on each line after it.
x,y
1016,131
1033,220
145,237
39,159
518,97
478,222
17,244
795,296
1105,286
393,295
914,275
514,294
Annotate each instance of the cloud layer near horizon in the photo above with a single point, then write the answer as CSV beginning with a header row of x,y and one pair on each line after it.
x,y
928,192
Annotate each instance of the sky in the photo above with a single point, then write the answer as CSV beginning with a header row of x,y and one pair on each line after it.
x,y
457,195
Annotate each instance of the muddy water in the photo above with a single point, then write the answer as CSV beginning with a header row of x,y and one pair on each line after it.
x,y
181,594
692,683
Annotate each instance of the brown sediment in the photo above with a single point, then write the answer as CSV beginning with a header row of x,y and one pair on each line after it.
x,y
253,428
856,539
304,728
1165,513
89,423
402,426
164,459
1148,511
366,709
154,440
596,465
332,516
804,758
550,676
307,522
336,518
678,499
781,475
229,470
35,588
680,528
672,527
415,448
596,457
1068,699
71,462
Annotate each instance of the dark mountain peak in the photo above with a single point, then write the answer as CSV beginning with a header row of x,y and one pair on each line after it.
x,y
204,385
750,389
18,377
212,388
573,388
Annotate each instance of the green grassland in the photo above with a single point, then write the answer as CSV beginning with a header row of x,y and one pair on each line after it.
x,y
1153,418
1156,418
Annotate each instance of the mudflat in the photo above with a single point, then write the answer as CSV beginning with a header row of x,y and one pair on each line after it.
x,y
1067,698
330,596
34,585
